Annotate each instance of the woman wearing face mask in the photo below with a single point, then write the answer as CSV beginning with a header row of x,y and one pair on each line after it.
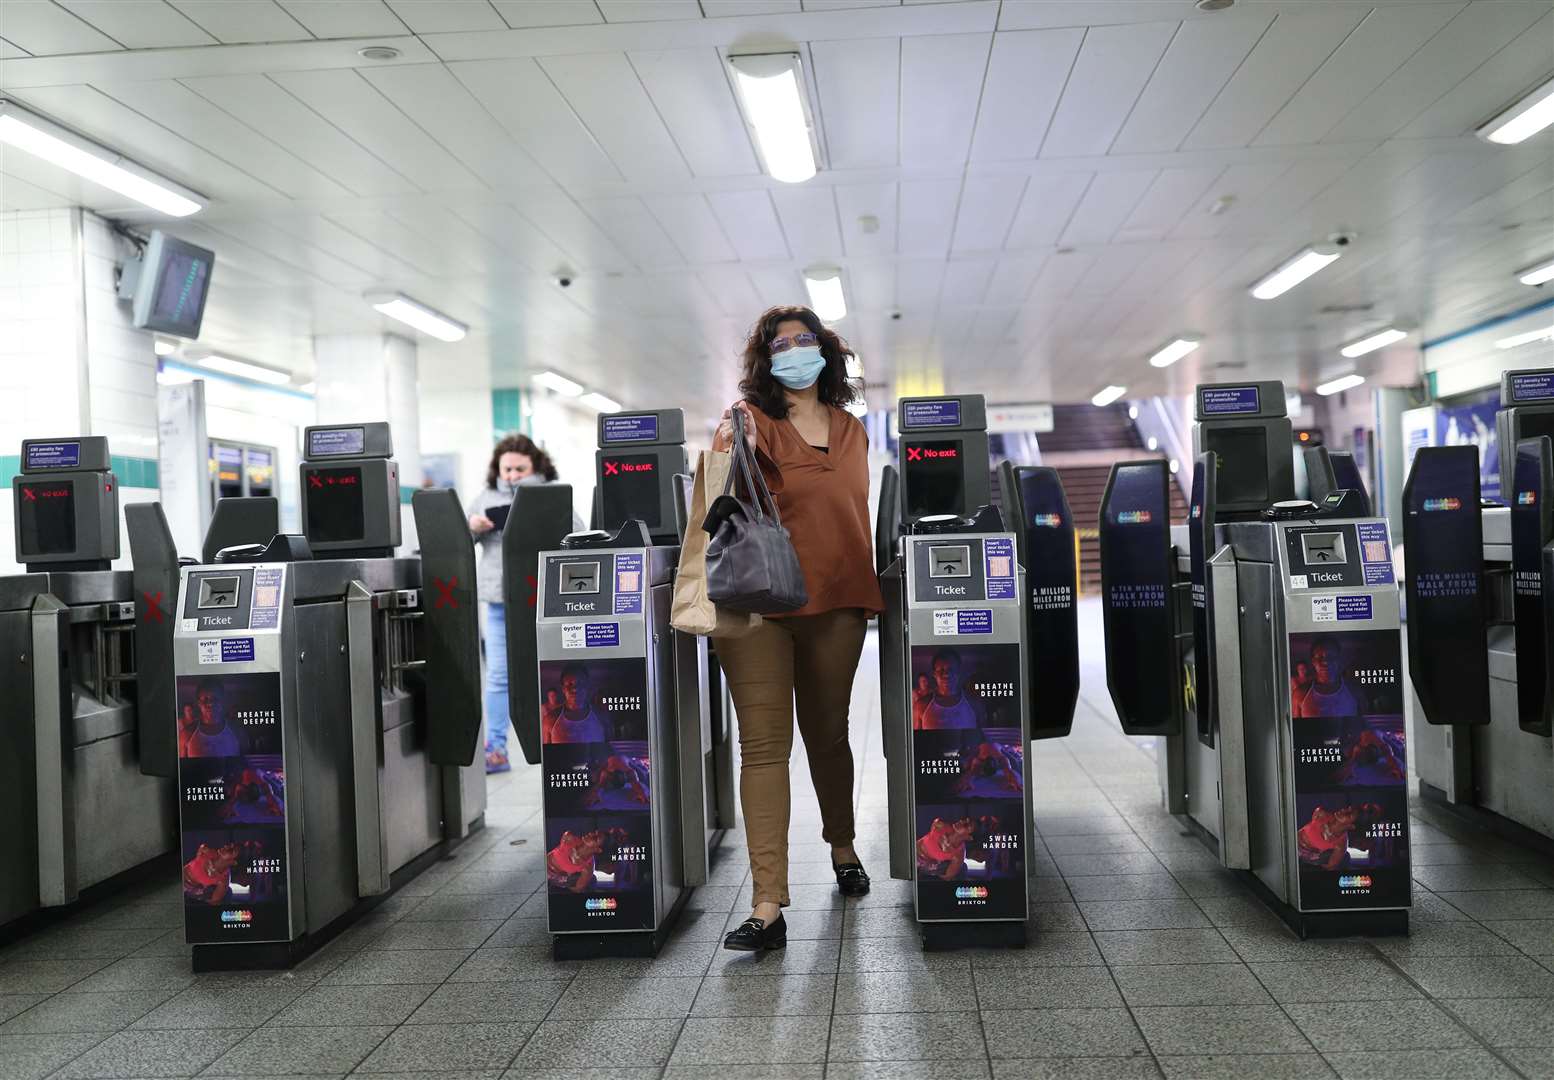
x,y
815,459
516,460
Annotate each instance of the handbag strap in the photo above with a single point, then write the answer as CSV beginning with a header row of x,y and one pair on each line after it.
x,y
755,481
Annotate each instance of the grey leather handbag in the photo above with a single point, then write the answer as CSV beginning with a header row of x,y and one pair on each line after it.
x,y
751,564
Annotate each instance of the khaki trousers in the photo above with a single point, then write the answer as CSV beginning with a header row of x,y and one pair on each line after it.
x,y
807,662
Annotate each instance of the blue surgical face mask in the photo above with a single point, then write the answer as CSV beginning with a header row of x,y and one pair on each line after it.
x,y
797,369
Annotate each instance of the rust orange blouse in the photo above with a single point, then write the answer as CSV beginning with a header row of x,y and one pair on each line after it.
x,y
823,497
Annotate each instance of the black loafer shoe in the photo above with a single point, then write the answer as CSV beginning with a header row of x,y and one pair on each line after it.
x,y
754,936
851,879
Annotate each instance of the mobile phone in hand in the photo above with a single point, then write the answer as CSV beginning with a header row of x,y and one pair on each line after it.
x,y
497,515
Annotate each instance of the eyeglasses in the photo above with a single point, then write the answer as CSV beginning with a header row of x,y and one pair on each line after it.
x,y
778,346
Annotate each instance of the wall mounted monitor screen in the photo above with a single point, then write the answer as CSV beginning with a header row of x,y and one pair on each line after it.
x,y
934,477
1243,463
46,513
631,489
335,512
174,282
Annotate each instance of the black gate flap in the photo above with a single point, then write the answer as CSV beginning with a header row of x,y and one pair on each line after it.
x,y
1142,670
253,519
887,519
1201,546
1443,551
155,575
1532,527
1044,537
540,518
449,629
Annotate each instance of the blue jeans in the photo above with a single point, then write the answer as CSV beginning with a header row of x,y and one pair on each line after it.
x,y
496,677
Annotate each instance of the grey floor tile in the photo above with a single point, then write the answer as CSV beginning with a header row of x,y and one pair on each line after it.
x,y
1363,1025
746,1072
1092,865
1095,844
460,934
1307,1066
1237,911
798,958
16,1004
1158,914
407,966
1190,984
464,908
728,897
615,997
1477,878
1056,918
1099,1068
292,1050
520,1073
1219,1029
1480,977
948,990
72,1012
885,892
1209,883
1508,1021
907,1070
415,1048
705,925
31,1057
1344,980
351,1006
1507,904
778,995
598,1043
138,973
1427,937
1160,886
72,942
46,976
1043,950
1421,1065
745,1040
889,922
519,932
525,963
150,1053
1536,1063
1429,906
1050,1033
1079,824
1274,943
518,883
1165,947
906,1037
1045,988
1535,937
203,1008
681,957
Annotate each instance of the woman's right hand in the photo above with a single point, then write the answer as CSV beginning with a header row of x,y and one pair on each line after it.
x,y
723,438
479,524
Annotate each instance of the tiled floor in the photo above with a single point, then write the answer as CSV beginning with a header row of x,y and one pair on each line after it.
x,y
1147,961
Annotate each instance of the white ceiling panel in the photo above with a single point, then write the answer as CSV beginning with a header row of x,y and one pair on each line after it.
x,y
1202,58
525,102
987,209
941,83
692,95
808,216
854,203
1059,276
776,287
345,245
648,10
1286,56
730,288
525,13
1045,210
965,282
692,227
429,95
1025,77
351,103
750,223
872,286
241,23
927,216
283,248
1472,38
858,100
635,231
1107,204
1113,65
1012,279
608,97
268,109
559,218
918,282
43,28
717,9
344,18
140,24
433,256
505,227
440,16
18,194
1497,82
1169,198
11,52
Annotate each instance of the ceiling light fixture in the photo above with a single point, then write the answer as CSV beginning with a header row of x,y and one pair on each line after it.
x,y
1109,395
412,313
1294,270
163,348
243,369
825,292
308,388
595,400
559,383
1516,341
1340,384
1372,342
1516,123
1537,274
771,88
174,376
1178,348
106,168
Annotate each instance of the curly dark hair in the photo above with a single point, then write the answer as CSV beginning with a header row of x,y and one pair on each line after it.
x,y
520,444
762,390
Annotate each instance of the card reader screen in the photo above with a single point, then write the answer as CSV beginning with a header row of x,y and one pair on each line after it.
x,y
1242,469
333,498
932,477
46,514
217,592
1323,549
630,484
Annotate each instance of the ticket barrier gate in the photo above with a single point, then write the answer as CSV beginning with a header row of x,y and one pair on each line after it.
x,y
625,715
328,708
1262,641
1480,610
87,801
970,594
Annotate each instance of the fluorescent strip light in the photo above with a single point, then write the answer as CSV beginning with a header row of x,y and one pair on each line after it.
x,y
854,367
1293,271
559,383
1537,275
106,168
1109,395
1173,352
163,348
599,401
1379,339
308,388
1340,384
174,377
1516,341
412,313
244,370
1523,120
825,293
771,86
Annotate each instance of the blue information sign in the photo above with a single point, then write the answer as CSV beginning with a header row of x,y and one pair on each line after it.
x,y
931,414
1229,400
1534,386
630,429
54,455
336,442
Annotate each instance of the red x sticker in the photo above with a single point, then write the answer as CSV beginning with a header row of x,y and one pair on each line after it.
x,y
314,481
29,494
153,606
534,589
445,595
914,453
611,468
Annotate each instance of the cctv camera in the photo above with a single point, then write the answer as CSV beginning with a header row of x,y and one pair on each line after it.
x,y
1341,239
896,315
564,278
